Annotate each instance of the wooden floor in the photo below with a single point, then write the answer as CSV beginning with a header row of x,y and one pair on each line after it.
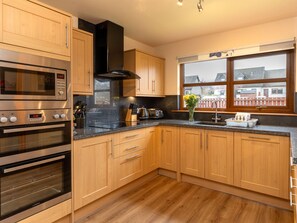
x,y
165,200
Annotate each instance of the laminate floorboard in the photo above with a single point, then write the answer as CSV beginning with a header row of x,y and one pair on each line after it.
x,y
164,200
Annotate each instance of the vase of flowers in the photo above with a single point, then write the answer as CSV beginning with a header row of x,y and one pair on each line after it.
x,y
191,101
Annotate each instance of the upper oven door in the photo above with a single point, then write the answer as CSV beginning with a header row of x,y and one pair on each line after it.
x,y
38,139
26,82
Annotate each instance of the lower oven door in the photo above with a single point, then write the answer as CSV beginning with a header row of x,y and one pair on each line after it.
x,y
31,186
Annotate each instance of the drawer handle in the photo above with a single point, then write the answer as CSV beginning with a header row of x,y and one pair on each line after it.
x,y
261,138
291,182
291,199
131,136
131,158
131,148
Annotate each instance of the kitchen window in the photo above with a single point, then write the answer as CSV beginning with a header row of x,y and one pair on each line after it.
x,y
255,83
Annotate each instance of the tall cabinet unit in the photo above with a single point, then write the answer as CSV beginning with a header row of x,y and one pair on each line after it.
x,y
33,25
82,62
151,72
262,163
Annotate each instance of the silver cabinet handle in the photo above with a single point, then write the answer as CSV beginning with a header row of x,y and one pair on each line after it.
x,y
131,148
89,72
21,167
131,136
111,147
206,141
66,29
131,158
200,140
33,128
260,138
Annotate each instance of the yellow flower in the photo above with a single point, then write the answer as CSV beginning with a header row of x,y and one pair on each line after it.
x,y
191,100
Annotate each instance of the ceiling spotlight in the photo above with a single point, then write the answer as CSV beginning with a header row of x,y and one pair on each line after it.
x,y
199,6
179,2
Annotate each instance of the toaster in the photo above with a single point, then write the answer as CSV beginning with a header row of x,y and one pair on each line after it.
x,y
155,113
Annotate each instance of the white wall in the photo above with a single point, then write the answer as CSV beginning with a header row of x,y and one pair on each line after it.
x,y
133,44
244,37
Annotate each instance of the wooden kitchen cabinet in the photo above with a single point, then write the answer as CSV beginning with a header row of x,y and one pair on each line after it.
x,y
128,168
151,153
192,152
92,169
207,154
82,62
128,153
219,156
151,71
261,163
34,25
169,147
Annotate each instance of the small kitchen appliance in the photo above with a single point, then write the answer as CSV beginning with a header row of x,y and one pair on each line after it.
x,y
155,113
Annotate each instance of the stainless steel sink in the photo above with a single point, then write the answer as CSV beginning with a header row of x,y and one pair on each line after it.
x,y
210,123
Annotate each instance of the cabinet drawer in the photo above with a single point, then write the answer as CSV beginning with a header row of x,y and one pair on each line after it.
x,y
261,137
128,168
129,147
128,136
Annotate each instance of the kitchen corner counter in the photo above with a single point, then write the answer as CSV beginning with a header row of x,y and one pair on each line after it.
x,y
260,129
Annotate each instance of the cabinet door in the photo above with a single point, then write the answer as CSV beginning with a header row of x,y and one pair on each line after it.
x,y
82,62
219,156
192,152
157,76
168,148
128,168
34,26
92,169
262,163
142,69
151,153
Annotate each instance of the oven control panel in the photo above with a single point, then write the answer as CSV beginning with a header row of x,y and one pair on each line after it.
x,y
10,118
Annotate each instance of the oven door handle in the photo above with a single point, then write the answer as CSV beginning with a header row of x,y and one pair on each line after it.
x,y
21,167
33,128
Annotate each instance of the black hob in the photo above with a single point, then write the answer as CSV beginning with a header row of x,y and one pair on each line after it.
x,y
113,125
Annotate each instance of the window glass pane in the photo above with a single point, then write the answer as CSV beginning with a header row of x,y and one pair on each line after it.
x,y
205,71
102,84
208,95
102,98
267,67
266,94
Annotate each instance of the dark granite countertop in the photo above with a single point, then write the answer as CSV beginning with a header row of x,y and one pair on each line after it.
x,y
259,129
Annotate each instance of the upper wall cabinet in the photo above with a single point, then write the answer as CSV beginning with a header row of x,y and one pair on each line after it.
x,y
82,62
35,26
151,71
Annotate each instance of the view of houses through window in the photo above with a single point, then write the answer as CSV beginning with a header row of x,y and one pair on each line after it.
x,y
245,82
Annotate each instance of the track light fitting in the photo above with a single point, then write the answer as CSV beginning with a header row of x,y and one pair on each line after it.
x,y
199,4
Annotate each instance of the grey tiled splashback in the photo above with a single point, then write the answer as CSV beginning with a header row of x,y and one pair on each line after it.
x,y
117,110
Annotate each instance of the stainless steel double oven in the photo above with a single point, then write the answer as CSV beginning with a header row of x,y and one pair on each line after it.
x,y
35,134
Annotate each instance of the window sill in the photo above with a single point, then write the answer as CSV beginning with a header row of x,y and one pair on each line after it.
x,y
226,112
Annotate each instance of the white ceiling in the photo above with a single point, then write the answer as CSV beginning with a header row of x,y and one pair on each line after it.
x,y
158,22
